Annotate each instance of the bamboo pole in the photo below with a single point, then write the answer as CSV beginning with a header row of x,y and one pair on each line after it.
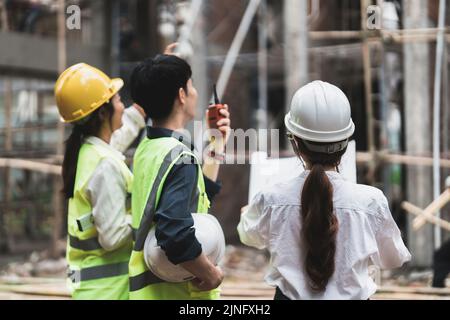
x,y
432,209
38,290
424,34
410,208
414,290
437,116
368,92
364,157
6,214
7,195
4,16
57,183
31,166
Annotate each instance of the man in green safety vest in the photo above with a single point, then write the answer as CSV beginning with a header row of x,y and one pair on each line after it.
x,y
169,183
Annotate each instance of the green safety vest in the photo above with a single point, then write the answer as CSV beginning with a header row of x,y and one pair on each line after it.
x,y
94,273
153,161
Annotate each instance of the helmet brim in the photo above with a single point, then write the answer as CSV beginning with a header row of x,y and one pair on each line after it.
x,y
117,85
318,136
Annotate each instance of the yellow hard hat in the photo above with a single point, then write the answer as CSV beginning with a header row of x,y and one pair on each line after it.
x,y
82,89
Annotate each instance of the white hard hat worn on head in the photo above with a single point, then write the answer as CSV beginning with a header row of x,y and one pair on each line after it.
x,y
320,112
207,231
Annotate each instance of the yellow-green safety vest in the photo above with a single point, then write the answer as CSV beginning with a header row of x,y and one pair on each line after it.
x,y
153,161
94,273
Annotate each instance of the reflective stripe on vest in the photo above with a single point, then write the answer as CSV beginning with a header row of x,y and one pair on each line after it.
x,y
194,205
85,245
149,211
144,279
98,272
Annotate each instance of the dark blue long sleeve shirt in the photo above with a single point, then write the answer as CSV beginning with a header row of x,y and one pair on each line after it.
x,y
174,223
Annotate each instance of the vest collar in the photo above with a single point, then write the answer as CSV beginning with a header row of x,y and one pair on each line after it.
x,y
100,143
157,133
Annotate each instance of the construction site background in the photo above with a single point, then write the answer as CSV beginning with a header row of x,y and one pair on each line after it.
x,y
383,54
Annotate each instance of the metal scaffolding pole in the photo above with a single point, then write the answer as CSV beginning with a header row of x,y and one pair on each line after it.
x,y
236,45
261,114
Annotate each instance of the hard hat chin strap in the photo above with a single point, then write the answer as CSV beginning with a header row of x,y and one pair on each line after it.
x,y
327,148
296,149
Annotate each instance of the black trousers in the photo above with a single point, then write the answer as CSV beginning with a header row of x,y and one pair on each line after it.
x,y
441,265
279,295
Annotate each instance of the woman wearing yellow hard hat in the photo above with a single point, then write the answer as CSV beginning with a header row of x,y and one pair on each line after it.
x,y
97,182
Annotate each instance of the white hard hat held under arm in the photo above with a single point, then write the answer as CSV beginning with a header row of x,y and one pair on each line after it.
x,y
207,231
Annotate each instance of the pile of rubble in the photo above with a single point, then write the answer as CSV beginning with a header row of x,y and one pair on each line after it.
x,y
38,264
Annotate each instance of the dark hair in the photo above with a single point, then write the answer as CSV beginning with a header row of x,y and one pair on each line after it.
x,y
155,83
80,131
319,223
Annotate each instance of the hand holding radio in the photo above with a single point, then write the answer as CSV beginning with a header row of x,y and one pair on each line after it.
x,y
218,116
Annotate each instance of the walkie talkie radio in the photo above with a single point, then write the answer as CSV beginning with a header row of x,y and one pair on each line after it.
x,y
214,114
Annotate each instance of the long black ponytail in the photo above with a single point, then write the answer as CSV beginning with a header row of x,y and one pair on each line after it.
x,y
319,222
80,131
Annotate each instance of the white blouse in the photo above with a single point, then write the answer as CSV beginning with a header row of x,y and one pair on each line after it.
x,y
106,188
367,233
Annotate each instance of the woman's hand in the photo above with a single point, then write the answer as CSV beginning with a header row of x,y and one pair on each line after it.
x,y
243,209
140,109
170,49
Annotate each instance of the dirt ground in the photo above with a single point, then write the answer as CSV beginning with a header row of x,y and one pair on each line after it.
x,y
37,277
